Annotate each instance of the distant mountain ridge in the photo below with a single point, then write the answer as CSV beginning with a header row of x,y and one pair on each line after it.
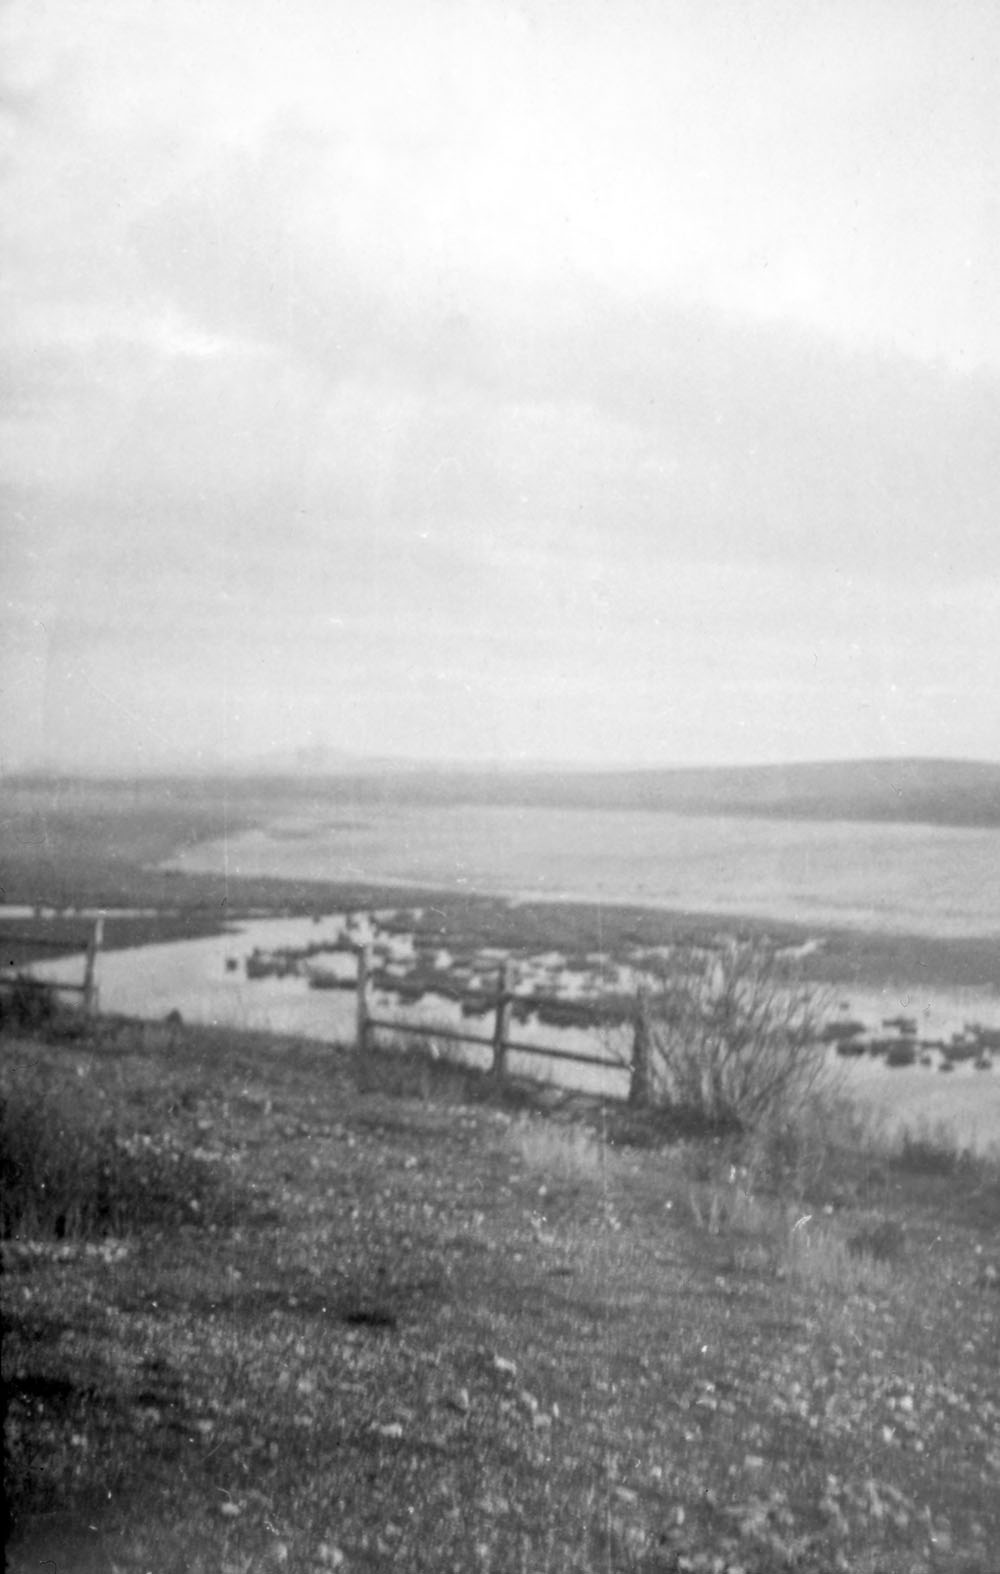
x,y
936,792
941,792
960,793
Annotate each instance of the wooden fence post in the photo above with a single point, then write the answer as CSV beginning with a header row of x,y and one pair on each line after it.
x,y
90,968
364,962
640,1091
500,1024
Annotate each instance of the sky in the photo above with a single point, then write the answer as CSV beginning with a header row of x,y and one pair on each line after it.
x,y
598,381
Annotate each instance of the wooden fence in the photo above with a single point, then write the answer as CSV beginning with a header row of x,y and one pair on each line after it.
x,y
501,1001
91,948
499,1042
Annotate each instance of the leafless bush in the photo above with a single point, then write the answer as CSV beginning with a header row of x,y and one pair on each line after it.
x,y
730,1039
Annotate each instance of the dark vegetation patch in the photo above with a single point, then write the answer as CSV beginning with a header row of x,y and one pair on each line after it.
x,y
26,1004
900,1053
75,1164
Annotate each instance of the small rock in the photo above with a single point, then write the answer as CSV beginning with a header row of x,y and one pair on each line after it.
x,y
508,1368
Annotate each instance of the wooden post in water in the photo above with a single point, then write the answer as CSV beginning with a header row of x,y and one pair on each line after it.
x,y
500,1024
90,968
364,965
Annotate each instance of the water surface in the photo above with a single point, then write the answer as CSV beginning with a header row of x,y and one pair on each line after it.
x,y
917,879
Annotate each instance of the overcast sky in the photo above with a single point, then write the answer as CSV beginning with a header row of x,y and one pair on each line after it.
x,y
578,379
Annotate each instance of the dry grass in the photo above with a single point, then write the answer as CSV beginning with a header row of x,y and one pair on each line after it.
x,y
435,1337
75,1166
820,1257
769,1196
930,1147
568,1152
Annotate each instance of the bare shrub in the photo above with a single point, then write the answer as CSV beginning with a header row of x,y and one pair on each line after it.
x,y
731,1039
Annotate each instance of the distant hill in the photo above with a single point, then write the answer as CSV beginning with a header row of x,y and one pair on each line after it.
x,y
914,791
935,792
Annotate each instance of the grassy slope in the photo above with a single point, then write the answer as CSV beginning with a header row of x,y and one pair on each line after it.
x,y
313,1381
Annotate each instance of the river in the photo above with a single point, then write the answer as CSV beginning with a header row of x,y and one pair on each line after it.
x,y
918,879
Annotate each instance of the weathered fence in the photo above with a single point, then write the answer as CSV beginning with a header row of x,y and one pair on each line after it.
x,y
91,947
501,1001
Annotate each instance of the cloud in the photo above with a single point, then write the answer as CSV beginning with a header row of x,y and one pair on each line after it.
x,y
481,355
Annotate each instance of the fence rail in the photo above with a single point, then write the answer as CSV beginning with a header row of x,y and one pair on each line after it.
x,y
90,946
498,1042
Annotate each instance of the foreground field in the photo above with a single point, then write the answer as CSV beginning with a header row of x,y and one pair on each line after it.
x,y
398,1326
